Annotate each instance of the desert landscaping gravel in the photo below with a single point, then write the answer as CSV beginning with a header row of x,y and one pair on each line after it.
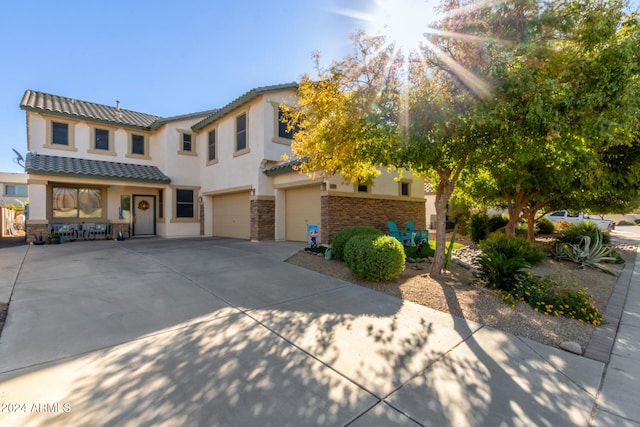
x,y
457,294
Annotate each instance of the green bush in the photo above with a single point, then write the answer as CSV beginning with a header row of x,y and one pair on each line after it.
x,y
459,212
513,247
377,258
478,227
546,296
496,222
342,237
545,226
500,271
573,233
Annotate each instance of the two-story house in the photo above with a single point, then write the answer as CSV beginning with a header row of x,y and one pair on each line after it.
x,y
211,173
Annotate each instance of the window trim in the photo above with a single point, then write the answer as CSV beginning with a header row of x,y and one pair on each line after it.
x,y
215,147
246,149
181,150
92,143
174,204
71,141
132,155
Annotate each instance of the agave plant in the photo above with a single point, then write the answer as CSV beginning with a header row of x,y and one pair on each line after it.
x,y
587,253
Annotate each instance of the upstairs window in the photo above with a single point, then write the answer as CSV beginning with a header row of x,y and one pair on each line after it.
x,y
363,188
101,139
283,132
241,132
211,144
137,144
186,142
59,133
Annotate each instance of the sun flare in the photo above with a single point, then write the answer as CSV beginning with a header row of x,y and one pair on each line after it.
x,y
401,22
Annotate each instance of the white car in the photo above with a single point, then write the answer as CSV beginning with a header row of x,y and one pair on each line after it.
x,y
579,217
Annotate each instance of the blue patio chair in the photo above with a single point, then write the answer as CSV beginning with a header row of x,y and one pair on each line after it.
x,y
402,236
418,235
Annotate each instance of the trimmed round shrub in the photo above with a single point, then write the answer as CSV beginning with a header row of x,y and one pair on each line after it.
x,y
513,247
377,258
342,237
545,226
478,227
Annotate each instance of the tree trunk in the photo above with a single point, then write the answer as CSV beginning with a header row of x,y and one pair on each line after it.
x,y
441,238
443,195
531,224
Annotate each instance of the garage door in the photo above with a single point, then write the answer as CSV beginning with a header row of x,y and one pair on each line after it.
x,y
303,208
232,215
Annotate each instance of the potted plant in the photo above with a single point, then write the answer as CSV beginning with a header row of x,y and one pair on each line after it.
x,y
38,240
54,238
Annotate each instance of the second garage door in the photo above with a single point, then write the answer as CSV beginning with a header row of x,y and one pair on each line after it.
x,y
303,208
232,215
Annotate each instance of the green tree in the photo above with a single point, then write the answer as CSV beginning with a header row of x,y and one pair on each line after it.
x,y
564,114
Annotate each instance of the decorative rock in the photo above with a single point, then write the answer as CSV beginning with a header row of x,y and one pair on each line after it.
x,y
571,347
458,283
411,260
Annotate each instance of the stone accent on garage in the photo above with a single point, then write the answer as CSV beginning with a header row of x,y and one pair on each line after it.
x,y
36,229
342,212
263,219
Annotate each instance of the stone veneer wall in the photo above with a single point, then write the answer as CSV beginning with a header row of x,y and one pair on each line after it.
x,y
263,220
35,230
342,212
124,228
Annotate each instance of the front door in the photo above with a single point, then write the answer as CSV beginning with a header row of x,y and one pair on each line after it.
x,y
144,215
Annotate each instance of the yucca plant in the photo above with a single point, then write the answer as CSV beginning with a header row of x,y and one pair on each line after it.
x,y
587,253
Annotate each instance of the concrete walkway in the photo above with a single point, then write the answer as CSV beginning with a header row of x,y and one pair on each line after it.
x,y
222,332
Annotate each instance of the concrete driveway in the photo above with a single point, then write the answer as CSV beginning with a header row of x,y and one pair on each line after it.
x,y
223,332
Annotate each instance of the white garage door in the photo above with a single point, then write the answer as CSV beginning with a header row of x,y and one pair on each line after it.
x,y
303,208
232,215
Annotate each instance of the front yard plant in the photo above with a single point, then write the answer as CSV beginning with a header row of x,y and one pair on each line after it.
x,y
512,247
587,253
551,298
374,257
343,236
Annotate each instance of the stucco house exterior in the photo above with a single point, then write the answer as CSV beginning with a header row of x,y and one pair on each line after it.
x,y
210,173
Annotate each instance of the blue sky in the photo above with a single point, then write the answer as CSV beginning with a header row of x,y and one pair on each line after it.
x,y
162,57
167,57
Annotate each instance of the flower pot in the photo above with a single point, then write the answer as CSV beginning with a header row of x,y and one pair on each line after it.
x,y
54,241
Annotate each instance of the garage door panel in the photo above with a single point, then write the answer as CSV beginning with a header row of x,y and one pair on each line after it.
x,y
232,215
302,208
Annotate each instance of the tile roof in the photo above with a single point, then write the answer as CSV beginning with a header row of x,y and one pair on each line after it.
x,y
252,94
284,167
40,164
72,108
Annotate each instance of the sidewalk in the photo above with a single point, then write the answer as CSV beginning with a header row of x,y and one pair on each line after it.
x,y
618,402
